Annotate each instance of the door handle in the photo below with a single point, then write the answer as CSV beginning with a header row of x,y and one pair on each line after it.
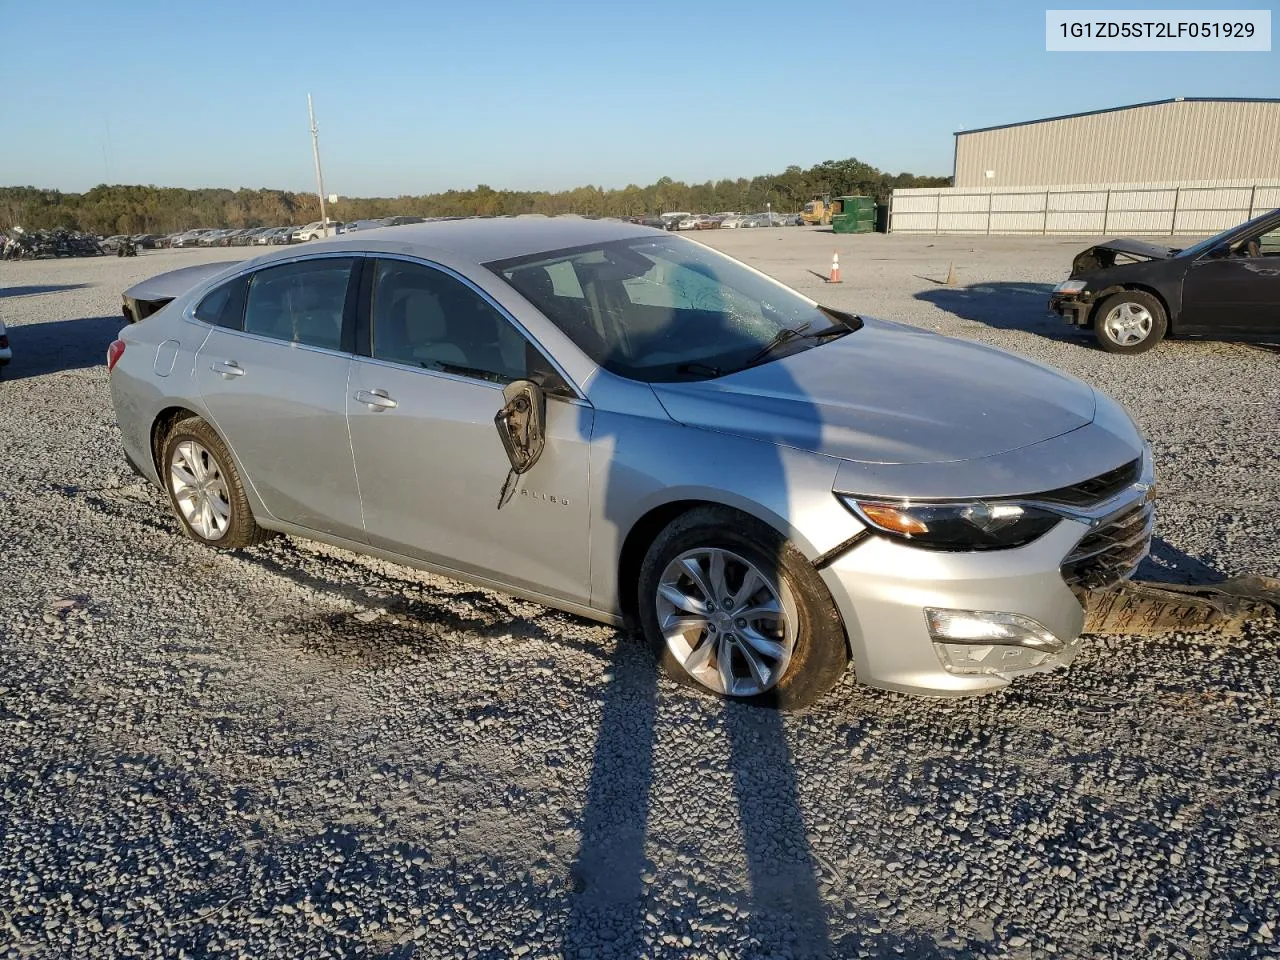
x,y
228,368
375,399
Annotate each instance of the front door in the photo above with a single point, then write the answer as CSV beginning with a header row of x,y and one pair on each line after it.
x,y
275,382
1236,293
429,459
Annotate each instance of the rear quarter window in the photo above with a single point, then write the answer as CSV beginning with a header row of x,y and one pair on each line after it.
x,y
223,306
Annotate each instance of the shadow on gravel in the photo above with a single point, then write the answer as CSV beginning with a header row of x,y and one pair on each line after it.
x,y
421,608
696,567
1167,564
60,345
611,872
1004,306
35,289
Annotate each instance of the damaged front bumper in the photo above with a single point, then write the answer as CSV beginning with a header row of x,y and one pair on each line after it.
x,y
955,623
1075,308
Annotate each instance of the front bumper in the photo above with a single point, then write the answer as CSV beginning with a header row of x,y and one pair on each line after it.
x,y
1074,308
883,587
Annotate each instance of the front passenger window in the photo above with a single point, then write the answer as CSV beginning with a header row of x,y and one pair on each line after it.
x,y
425,318
300,302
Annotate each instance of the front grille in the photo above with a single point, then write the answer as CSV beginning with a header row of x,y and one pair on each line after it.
x,y
1100,488
1110,552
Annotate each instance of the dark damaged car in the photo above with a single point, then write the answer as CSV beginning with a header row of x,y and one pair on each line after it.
x,y
1133,293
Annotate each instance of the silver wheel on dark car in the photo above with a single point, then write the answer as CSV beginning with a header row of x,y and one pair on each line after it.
x,y
731,627
1128,323
200,490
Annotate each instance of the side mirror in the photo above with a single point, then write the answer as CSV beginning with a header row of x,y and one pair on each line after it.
x,y
520,425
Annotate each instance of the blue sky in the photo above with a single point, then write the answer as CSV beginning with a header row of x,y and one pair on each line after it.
x,y
413,97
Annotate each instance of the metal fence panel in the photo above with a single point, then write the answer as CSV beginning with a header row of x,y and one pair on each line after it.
x,y
1201,207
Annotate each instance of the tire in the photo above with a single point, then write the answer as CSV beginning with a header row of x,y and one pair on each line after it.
x,y
195,448
808,631
1128,322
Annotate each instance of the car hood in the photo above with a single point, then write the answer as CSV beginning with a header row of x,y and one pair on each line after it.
x,y
1107,254
889,394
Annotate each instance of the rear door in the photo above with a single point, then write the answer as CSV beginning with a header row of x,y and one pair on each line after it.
x,y
1236,293
273,375
420,405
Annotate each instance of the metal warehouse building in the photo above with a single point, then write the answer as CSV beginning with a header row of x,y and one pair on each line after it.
x,y
1189,139
1189,167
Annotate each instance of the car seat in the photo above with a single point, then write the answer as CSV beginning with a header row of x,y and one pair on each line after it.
x,y
427,339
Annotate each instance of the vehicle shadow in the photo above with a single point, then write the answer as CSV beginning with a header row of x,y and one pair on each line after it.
x,y
60,345
1005,305
618,892
1167,564
34,290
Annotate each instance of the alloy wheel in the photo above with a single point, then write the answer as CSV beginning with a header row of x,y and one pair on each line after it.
x,y
1128,323
200,490
730,627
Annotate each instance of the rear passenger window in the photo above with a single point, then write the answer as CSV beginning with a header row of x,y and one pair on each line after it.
x,y
223,306
300,302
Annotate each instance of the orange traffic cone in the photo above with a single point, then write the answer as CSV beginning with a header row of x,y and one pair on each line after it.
x,y
835,268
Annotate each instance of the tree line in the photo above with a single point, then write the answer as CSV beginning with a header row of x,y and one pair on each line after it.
x,y
119,208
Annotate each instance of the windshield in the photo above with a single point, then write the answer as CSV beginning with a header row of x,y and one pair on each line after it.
x,y
1204,245
659,309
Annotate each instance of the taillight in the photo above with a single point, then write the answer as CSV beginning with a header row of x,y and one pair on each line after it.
x,y
114,353
4,341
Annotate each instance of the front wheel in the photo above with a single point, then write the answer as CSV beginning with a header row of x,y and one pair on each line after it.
x,y
1131,321
204,488
730,606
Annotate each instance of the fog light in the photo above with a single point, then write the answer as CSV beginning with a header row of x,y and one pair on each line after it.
x,y
988,642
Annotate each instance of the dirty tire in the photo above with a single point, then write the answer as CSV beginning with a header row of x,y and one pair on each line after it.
x,y
242,530
1138,300
820,657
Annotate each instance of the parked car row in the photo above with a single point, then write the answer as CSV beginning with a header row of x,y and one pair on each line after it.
x,y
143,241
715,221
262,236
243,237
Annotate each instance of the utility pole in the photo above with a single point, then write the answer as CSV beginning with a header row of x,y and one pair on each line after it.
x,y
315,150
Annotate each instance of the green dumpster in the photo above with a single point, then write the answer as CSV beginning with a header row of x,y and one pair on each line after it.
x,y
856,215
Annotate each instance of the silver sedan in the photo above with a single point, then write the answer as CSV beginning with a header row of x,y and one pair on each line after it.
x,y
625,424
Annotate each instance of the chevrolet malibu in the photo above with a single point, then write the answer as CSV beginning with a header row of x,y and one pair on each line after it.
x,y
625,424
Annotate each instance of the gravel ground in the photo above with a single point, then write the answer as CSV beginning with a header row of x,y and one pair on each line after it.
x,y
295,752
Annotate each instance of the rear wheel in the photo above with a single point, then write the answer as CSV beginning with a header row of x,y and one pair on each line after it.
x,y
731,607
1131,321
204,488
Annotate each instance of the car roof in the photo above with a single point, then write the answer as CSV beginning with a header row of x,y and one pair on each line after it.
x,y
485,239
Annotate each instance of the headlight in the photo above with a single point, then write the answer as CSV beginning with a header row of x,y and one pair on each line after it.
x,y
972,525
1070,286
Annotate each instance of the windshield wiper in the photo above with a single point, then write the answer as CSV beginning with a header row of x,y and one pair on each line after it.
x,y
697,369
783,336
835,330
